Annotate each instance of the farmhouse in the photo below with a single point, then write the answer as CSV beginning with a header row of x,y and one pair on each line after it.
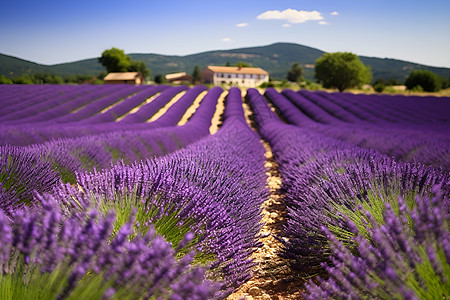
x,y
235,76
178,78
124,77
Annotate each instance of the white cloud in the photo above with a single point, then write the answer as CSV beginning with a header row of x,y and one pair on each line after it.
x,y
323,23
286,25
291,15
241,25
226,40
334,13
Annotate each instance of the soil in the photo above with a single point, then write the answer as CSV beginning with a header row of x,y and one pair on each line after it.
x,y
216,121
163,110
191,110
270,274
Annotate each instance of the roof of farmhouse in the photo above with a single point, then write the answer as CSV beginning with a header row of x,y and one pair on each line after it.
x,y
122,76
237,70
175,75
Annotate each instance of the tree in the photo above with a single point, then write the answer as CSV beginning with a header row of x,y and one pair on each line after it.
x,y
160,79
295,74
445,82
341,70
379,85
139,66
242,64
196,75
115,60
423,79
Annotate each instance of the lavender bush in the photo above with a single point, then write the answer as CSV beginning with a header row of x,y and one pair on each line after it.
x,y
396,260
47,256
21,173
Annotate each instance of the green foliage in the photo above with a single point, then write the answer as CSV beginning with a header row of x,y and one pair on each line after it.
x,y
267,84
139,66
417,88
39,78
341,70
28,282
115,60
379,85
310,85
79,79
151,212
242,64
394,81
4,80
427,80
445,82
375,203
295,74
420,276
159,79
196,75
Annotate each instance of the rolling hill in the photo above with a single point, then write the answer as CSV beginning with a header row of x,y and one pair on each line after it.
x,y
276,59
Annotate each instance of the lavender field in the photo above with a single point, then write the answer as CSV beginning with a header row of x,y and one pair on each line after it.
x,y
164,192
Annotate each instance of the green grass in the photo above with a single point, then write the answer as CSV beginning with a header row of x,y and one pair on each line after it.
x,y
154,213
422,278
377,196
28,282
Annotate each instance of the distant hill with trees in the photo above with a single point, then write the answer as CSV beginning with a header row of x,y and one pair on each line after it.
x,y
276,59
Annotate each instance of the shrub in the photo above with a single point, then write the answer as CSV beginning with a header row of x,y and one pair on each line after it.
x,y
379,87
427,80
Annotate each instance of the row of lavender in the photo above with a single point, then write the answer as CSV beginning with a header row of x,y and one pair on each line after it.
x,y
83,113
407,128
81,145
181,226
377,227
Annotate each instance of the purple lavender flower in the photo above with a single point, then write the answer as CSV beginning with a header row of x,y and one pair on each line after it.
x,y
143,266
384,267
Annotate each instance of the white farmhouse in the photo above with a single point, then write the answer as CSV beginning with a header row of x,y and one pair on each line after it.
x,y
234,76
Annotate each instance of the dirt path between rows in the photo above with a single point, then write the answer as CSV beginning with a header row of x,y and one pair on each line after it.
x,y
269,279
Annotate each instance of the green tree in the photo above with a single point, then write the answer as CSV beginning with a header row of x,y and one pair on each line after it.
x,y
379,85
196,75
341,70
424,79
295,74
445,82
24,79
160,79
139,66
115,60
5,80
242,64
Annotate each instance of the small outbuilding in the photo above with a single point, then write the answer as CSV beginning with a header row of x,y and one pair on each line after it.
x,y
236,76
178,78
124,77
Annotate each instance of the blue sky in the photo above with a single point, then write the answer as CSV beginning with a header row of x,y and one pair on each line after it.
x,y
52,32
